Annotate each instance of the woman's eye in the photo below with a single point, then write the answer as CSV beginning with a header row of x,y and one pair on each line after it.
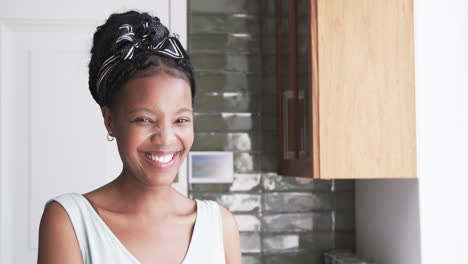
x,y
182,120
143,119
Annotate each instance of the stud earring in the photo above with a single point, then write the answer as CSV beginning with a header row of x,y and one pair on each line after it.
x,y
109,137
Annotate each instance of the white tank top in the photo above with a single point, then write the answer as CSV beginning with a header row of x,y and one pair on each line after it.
x,y
99,245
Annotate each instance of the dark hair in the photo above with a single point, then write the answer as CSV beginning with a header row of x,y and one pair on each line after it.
x,y
144,61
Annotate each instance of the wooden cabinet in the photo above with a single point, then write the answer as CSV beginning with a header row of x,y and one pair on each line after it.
x,y
346,90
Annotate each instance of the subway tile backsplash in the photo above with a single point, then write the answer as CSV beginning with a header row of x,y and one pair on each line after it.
x,y
281,219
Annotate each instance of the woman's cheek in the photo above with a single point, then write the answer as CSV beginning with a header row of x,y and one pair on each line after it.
x,y
187,135
134,137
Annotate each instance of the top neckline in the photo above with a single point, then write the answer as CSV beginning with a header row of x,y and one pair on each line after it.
x,y
122,246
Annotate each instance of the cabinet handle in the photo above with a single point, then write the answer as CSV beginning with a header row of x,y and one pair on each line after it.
x,y
287,155
301,101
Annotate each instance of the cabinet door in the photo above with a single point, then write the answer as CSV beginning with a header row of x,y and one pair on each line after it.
x,y
295,79
52,137
366,89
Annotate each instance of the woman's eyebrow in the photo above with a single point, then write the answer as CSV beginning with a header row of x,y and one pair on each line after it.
x,y
141,109
184,109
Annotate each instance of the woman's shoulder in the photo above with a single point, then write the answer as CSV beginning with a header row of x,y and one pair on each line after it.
x,y
62,197
57,239
229,220
231,238
56,211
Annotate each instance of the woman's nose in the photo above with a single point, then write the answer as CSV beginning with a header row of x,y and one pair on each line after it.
x,y
163,134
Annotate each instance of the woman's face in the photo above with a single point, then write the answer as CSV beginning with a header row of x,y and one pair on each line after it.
x,y
152,121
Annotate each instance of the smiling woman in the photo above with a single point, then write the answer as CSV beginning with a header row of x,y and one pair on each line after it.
x,y
152,121
142,78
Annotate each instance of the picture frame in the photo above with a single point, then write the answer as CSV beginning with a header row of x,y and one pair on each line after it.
x,y
211,166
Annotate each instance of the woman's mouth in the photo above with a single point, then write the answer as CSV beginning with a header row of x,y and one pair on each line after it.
x,y
161,160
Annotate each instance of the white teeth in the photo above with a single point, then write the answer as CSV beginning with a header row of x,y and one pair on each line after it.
x,y
160,159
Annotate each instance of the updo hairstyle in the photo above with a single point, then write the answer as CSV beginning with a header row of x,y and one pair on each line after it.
x,y
136,36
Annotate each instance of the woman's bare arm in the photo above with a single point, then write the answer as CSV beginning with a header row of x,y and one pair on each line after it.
x,y
57,240
232,249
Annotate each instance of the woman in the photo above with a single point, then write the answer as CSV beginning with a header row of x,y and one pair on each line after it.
x,y
143,81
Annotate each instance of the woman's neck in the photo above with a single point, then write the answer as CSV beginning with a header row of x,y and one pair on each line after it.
x,y
142,199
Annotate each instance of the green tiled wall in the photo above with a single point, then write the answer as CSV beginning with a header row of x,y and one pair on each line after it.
x,y
281,219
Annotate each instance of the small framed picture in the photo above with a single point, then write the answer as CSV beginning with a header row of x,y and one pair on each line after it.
x,y
180,183
211,167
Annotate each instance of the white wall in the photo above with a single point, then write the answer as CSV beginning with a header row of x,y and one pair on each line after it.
x,y
391,214
387,220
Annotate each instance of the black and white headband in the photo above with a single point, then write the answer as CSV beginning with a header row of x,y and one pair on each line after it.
x,y
144,39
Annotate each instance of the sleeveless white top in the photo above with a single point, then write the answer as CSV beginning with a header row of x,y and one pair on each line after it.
x,y
99,245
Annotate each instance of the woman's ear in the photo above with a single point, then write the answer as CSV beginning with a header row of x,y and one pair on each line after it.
x,y
107,115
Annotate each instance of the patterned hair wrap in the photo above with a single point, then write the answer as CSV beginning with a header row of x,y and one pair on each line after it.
x,y
146,37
